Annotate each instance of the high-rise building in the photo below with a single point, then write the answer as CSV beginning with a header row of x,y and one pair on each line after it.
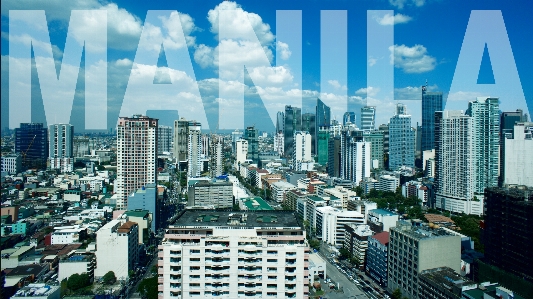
x,y
241,152
252,136
293,123
507,230
194,150
355,155
206,145
234,254
136,155
118,248
280,122
413,249
216,156
401,140
486,128
302,151
235,135
376,140
164,142
348,117
323,117
31,142
322,145
334,156
431,102
368,118
517,163
507,122
309,125
61,147
181,139
385,129
377,257
278,143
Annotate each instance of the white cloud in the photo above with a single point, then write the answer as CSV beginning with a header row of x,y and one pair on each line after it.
x,y
411,92
234,29
204,56
337,85
283,50
400,4
465,96
370,91
267,76
389,19
412,59
372,61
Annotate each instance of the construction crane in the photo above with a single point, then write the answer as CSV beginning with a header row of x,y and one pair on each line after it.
x,y
24,153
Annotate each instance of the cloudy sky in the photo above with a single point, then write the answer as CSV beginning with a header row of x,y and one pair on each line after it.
x,y
234,64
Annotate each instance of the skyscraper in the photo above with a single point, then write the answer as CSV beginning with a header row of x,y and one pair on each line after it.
x,y
368,118
251,135
376,140
401,140
334,156
278,143
309,125
181,139
164,142
349,117
323,116
194,150
507,122
61,147
355,155
280,122
431,102
293,123
302,151
235,135
322,148
31,142
136,155
517,163
241,152
216,156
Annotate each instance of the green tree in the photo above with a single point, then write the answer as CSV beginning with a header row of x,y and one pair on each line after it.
x,y
236,207
109,278
131,274
359,191
397,294
148,288
314,243
345,253
78,281
153,270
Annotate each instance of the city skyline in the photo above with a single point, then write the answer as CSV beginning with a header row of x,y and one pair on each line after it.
x,y
417,58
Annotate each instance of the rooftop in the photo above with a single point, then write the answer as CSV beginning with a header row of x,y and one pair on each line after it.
x,y
382,237
256,204
226,218
37,290
382,212
137,213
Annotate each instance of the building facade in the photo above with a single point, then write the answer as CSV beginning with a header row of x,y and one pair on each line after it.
x,y
517,163
401,140
377,257
31,142
292,124
431,102
61,147
302,151
194,151
11,164
252,136
368,118
181,139
261,254
217,194
164,142
136,155
309,125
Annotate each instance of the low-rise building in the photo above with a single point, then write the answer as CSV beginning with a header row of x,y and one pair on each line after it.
x,y
38,291
279,189
317,267
76,264
330,223
69,234
388,182
443,283
218,194
381,220
254,204
356,240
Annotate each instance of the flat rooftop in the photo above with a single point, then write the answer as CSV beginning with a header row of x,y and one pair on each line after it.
x,y
250,219
256,204
382,212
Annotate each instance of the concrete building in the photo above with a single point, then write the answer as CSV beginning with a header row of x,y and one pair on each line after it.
x,y
241,152
145,199
385,129
443,283
377,257
279,189
61,147
401,140
278,143
31,142
355,155
317,267
12,164
205,193
323,118
381,220
334,156
181,140
38,291
344,194
368,118
330,223
235,135
216,155
292,124
144,220
76,264
376,141
136,156
517,163
68,234
117,248
356,241
388,182
301,158
164,139
215,253
253,204
251,134
309,125
413,249
194,150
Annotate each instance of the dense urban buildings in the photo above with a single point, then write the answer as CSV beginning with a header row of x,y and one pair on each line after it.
x,y
309,125
214,253
136,155
355,155
181,140
368,118
323,118
292,124
251,135
301,158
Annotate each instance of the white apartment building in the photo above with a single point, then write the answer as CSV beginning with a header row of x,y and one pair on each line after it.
x,y
216,157
76,264
195,146
330,223
68,234
388,182
117,245
355,156
279,143
210,254
301,159
241,151
382,218
518,164
344,194
61,147
279,189
356,240
136,156
11,163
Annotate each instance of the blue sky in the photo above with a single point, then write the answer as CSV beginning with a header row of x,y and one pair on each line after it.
x,y
427,37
